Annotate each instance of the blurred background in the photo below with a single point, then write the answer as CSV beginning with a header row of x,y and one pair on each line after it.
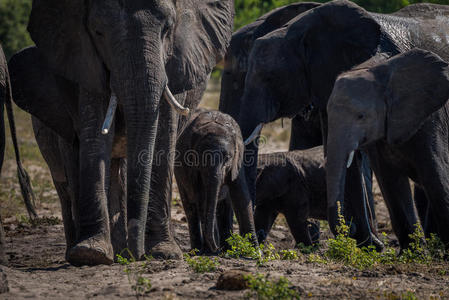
x,y
14,36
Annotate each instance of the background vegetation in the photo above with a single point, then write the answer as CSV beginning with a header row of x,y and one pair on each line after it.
x,y
14,16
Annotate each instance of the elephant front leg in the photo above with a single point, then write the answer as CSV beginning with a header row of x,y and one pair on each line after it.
x,y
94,243
357,211
396,191
159,239
243,207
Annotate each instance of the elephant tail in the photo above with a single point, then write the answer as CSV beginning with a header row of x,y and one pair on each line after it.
x,y
24,178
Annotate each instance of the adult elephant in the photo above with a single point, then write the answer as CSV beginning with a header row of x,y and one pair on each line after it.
x,y
403,127
295,66
306,128
134,53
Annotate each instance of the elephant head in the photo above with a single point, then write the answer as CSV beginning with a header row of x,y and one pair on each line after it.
x,y
388,101
236,59
141,51
295,67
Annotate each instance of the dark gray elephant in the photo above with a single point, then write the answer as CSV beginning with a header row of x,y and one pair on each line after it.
x,y
292,183
128,54
24,180
296,66
306,128
397,111
209,157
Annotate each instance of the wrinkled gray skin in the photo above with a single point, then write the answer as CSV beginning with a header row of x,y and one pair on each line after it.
x,y
135,49
397,111
24,181
209,157
306,132
296,66
306,129
292,183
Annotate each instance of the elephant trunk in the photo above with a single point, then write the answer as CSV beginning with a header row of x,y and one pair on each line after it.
x,y
340,155
139,84
213,182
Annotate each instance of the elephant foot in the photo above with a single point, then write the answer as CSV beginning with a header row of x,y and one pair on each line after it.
x,y
166,250
91,252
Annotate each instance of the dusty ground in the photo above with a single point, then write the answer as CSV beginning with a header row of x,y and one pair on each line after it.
x,y
38,270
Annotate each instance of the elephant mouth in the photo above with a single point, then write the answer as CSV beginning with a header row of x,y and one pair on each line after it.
x,y
113,101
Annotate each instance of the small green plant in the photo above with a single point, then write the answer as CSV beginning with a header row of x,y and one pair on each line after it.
x,y
436,247
267,252
200,264
139,284
242,247
316,258
289,255
417,251
264,289
307,249
344,249
403,296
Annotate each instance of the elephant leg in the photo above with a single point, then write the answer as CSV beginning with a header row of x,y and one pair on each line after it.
x,y
224,220
94,244
368,184
264,217
243,206
117,205
49,145
296,215
299,229
436,186
192,214
424,211
159,239
356,210
396,190
70,156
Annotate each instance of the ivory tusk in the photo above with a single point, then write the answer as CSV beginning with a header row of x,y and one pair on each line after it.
x,y
350,159
109,114
254,135
174,103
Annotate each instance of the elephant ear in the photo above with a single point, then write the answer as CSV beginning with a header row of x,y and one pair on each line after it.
x,y
58,27
417,86
42,94
330,39
202,34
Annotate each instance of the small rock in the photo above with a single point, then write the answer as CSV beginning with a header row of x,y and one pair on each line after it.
x,y
232,280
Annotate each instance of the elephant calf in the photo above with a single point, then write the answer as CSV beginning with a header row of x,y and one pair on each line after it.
x,y
294,184
209,157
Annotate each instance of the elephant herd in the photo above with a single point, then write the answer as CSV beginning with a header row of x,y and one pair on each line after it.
x,y
113,89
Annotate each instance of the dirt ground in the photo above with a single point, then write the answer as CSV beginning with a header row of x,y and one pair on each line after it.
x,y
38,270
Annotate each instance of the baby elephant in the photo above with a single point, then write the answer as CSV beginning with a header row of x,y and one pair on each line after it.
x,y
209,156
294,184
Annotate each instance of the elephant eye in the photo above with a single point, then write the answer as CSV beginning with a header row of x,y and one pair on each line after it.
x,y
99,33
360,116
